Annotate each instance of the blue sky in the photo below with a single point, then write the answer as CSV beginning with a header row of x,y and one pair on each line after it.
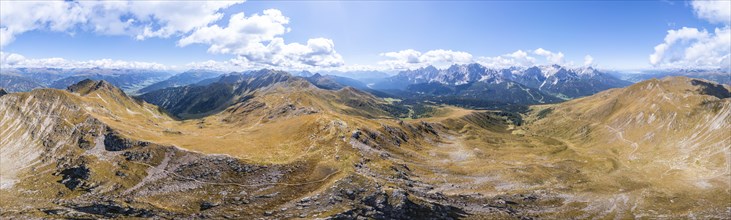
x,y
619,33
616,34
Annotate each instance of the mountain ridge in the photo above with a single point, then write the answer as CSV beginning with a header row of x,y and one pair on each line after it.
x,y
292,149
181,79
552,79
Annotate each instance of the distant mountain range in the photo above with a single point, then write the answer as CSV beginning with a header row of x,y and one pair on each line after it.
x,y
554,80
363,75
14,83
26,79
128,80
192,101
182,79
466,85
333,82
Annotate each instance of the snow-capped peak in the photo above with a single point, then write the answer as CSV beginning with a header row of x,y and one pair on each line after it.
x,y
550,70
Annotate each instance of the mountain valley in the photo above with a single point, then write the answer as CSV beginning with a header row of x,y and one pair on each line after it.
x,y
360,110
266,144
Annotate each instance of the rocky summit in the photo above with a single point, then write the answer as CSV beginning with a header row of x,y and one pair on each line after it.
x,y
269,145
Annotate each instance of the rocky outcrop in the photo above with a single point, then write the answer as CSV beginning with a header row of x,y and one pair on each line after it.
x,y
75,177
87,86
114,142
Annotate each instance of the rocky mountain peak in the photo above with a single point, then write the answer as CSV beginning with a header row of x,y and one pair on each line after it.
x,y
270,72
88,86
429,68
306,73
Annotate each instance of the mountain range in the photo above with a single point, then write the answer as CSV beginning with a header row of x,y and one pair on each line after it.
x,y
26,79
555,80
266,144
182,79
462,85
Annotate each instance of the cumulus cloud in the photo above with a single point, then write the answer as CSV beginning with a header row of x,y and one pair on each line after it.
x,y
256,39
550,56
517,58
13,60
521,58
20,16
10,59
689,47
140,19
410,58
713,11
588,60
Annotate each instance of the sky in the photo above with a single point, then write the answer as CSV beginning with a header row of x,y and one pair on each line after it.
x,y
364,35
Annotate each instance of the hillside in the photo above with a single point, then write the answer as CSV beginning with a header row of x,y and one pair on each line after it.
x,y
671,134
720,75
181,79
293,150
247,89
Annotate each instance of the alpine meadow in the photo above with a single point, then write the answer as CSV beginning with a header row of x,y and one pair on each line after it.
x,y
426,110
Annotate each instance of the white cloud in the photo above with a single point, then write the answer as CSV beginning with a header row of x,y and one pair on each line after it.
x,y
13,60
404,56
256,39
140,19
588,60
517,58
10,59
550,56
522,58
176,17
410,58
17,17
690,47
714,11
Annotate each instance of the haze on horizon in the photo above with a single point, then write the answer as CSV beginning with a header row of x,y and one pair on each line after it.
x,y
349,36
